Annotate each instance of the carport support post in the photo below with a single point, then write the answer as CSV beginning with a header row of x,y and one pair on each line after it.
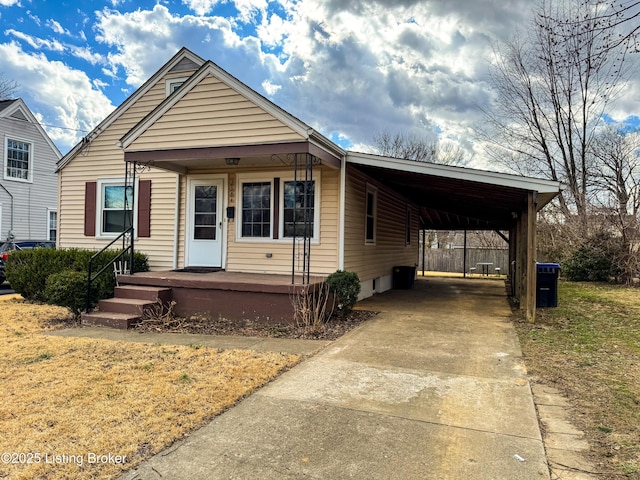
x,y
529,225
513,259
464,256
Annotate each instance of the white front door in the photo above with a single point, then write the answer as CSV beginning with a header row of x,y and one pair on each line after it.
x,y
204,223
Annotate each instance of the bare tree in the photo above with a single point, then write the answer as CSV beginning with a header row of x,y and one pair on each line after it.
x,y
617,171
617,21
407,147
450,153
7,88
420,149
552,88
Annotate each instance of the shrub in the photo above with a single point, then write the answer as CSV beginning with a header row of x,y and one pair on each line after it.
x,y
346,287
27,270
68,289
593,261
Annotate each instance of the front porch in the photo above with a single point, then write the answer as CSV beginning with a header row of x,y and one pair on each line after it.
x,y
263,298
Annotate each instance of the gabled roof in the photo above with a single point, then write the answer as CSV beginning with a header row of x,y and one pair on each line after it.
x,y
183,55
210,68
17,110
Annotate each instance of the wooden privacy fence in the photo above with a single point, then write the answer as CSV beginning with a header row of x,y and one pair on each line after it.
x,y
452,260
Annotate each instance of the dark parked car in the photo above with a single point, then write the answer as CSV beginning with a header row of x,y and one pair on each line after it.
x,y
8,247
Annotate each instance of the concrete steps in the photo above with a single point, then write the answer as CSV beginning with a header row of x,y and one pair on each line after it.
x,y
130,304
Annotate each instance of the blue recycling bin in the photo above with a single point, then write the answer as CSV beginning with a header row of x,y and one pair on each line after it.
x,y
547,284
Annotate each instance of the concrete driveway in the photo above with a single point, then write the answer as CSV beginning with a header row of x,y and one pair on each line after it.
x,y
433,388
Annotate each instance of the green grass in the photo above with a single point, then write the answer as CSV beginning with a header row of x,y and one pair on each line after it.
x,y
589,348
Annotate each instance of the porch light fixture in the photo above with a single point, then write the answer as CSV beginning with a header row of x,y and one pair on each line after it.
x,y
232,161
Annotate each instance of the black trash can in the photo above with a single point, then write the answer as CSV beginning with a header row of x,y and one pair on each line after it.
x,y
547,284
404,276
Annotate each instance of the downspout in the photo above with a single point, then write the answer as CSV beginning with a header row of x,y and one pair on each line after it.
x,y
343,188
176,231
11,197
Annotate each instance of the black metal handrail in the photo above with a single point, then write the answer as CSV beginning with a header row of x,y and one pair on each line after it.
x,y
125,249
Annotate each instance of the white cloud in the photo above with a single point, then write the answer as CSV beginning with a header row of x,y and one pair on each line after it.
x,y
360,66
35,42
201,7
250,9
270,88
144,39
86,54
9,3
60,96
57,28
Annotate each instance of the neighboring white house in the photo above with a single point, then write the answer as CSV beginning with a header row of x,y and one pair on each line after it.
x,y
28,184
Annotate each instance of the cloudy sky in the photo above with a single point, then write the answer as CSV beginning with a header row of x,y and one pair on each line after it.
x,y
349,68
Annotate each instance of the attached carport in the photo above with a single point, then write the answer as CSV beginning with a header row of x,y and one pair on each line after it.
x,y
456,198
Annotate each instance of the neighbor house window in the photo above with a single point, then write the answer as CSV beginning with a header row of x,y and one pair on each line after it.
x,y
370,214
52,222
116,211
18,161
298,206
256,209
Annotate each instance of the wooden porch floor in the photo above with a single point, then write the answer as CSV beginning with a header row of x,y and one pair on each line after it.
x,y
221,280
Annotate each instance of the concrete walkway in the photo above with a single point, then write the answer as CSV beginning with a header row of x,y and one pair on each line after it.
x,y
433,388
259,344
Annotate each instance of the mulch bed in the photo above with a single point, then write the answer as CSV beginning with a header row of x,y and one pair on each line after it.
x,y
334,328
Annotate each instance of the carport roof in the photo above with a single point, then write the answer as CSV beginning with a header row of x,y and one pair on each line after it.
x,y
457,198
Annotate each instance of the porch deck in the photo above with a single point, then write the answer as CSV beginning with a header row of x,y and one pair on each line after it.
x,y
230,295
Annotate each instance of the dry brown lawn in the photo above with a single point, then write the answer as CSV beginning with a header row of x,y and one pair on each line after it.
x,y
69,403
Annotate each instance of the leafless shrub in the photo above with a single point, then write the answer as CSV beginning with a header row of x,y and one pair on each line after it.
x,y
312,307
160,316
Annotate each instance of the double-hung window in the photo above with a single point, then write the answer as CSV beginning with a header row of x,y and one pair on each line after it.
x,y
116,211
18,160
274,207
370,215
299,209
52,222
256,209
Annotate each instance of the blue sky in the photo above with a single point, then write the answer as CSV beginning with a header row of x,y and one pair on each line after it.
x,y
349,68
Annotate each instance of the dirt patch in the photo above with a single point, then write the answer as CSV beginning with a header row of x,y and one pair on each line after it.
x,y
334,328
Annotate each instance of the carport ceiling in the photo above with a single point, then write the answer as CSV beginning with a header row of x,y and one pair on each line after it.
x,y
454,198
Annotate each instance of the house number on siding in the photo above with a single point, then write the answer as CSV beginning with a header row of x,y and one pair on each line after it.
x,y
232,190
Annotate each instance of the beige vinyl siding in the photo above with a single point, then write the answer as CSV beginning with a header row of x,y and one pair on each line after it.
x,y
213,114
249,256
102,159
389,249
